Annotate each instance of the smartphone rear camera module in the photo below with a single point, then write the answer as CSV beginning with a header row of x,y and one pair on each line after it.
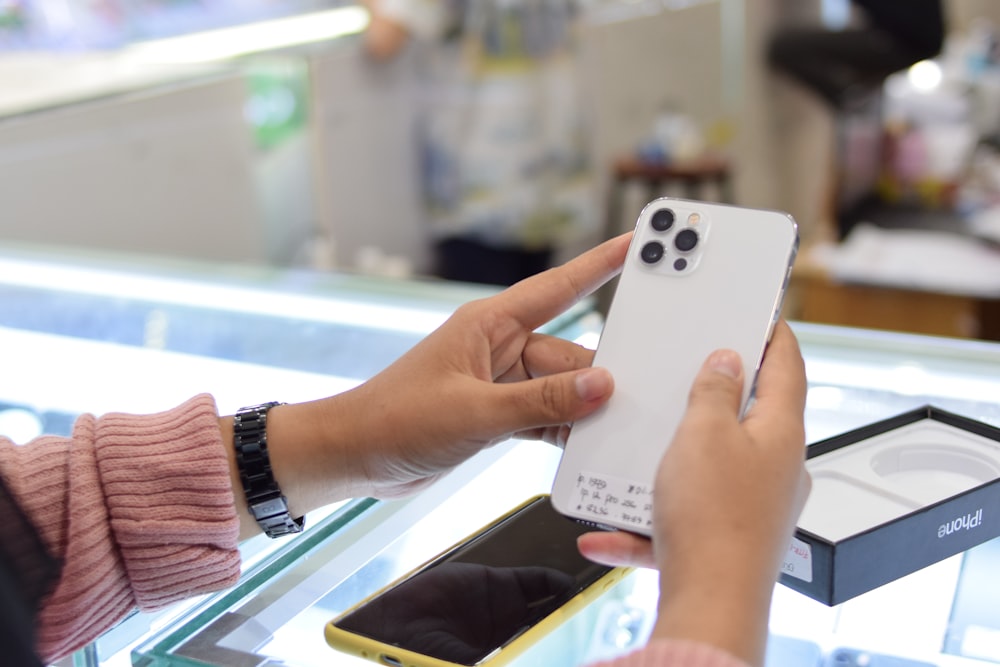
x,y
652,252
662,220
686,240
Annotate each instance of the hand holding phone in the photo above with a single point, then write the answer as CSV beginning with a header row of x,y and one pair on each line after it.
x,y
733,491
698,277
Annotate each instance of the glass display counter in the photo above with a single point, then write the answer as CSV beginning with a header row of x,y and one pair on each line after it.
x,y
251,335
934,616
95,332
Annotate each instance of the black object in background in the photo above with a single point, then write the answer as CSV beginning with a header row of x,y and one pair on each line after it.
x,y
840,64
471,261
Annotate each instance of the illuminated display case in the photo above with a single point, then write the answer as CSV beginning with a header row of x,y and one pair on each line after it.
x,y
250,335
105,24
107,129
95,332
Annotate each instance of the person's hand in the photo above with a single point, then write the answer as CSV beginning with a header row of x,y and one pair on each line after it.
x,y
728,494
384,37
483,376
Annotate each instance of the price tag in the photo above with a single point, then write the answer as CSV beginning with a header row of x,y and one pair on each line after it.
x,y
798,560
607,499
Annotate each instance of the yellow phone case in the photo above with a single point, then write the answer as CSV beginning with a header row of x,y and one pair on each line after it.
x,y
393,656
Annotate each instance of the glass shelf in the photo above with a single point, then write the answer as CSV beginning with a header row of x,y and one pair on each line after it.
x,y
929,617
249,334
80,331
279,619
855,377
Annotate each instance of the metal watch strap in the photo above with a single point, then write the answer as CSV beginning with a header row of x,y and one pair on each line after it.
x,y
264,499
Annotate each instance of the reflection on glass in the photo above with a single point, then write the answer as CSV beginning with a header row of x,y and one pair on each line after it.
x,y
974,629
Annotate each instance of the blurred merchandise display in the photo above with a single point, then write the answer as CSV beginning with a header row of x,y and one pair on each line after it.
x,y
277,100
926,152
674,137
506,171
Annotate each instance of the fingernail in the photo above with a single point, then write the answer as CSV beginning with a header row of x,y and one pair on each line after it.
x,y
592,384
726,362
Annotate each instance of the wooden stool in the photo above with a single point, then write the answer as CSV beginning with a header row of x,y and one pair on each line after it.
x,y
694,176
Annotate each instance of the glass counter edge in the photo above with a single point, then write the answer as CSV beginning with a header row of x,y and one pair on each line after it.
x,y
156,649
247,287
873,342
418,292
159,646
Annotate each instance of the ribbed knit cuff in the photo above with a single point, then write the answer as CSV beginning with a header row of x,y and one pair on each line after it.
x,y
170,500
665,652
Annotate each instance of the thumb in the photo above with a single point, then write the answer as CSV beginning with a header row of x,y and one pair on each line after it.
x,y
552,399
719,383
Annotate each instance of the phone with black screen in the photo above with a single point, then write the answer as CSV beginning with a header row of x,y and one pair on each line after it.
x,y
481,602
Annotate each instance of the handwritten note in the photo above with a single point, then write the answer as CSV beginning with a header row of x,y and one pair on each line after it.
x,y
615,501
798,560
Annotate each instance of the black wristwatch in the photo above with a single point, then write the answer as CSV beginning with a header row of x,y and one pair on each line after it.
x,y
264,498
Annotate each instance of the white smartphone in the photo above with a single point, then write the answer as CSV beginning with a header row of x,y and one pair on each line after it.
x,y
698,277
482,602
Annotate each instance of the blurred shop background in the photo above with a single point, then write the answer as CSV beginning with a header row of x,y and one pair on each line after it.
x,y
221,194
263,132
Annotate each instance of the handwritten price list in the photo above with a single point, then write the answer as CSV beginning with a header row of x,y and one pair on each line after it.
x,y
615,501
619,502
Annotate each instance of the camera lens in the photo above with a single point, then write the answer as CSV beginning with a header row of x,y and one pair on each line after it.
x,y
680,264
662,220
652,252
686,240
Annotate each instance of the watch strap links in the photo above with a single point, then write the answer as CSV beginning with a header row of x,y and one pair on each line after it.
x,y
264,499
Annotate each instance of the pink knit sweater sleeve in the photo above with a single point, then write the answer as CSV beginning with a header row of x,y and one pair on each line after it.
x,y
675,653
139,508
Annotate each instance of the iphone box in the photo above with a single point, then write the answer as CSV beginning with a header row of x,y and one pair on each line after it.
x,y
891,498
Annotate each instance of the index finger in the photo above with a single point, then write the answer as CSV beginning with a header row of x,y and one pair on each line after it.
x,y
539,298
780,397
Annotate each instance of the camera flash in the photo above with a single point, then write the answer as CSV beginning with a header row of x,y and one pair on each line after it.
x,y
694,219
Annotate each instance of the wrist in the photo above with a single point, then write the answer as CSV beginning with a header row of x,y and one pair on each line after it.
x,y
264,498
312,453
304,445
726,607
